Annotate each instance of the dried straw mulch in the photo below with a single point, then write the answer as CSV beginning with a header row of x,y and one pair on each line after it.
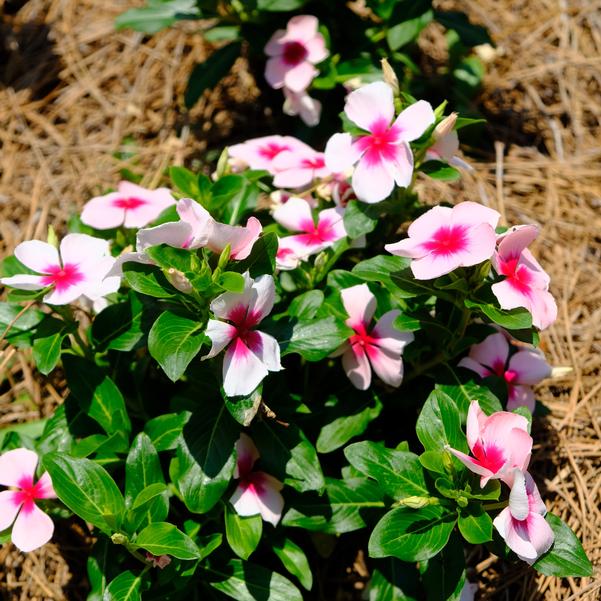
x,y
73,92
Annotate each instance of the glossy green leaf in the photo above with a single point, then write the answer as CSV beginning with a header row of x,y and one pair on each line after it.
x,y
47,343
438,424
315,339
463,393
162,538
402,33
444,574
393,580
305,306
243,533
148,280
440,171
280,5
359,219
125,587
294,560
157,15
514,319
261,259
475,525
119,326
165,430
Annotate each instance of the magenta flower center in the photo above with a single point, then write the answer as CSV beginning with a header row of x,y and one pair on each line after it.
x,y
490,456
317,234
381,144
271,150
315,163
28,493
361,337
510,376
62,277
448,240
294,53
246,338
129,203
521,279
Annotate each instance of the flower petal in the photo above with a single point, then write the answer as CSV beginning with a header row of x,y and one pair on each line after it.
x,y
530,367
85,251
341,154
388,337
370,104
17,465
425,225
516,239
520,396
473,213
415,120
269,498
262,298
360,305
388,366
243,371
32,528
541,534
295,215
173,233
469,363
356,366
275,72
299,78
491,352
230,303
221,334
101,214
44,489
37,255
518,498
302,28
247,453
24,282
10,503
474,466
268,351
434,265
240,238
372,180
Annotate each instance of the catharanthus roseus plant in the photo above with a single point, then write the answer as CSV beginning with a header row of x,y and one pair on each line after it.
x,y
254,337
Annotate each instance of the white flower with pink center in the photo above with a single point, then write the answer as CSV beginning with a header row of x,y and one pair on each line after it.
x,y
443,239
524,369
303,105
379,347
31,527
131,206
526,284
296,216
499,443
382,154
77,269
249,354
293,53
259,153
522,524
299,168
257,493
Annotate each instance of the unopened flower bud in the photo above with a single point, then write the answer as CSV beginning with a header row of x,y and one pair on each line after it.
x,y
119,539
178,280
445,127
415,502
390,76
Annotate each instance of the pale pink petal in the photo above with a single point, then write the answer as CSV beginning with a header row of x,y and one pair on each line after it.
x,y
520,396
414,120
32,528
262,298
541,279
425,225
469,363
9,506
221,334
510,297
101,214
17,466
316,49
246,453
444,148
518,497
37,255
83,250
295,215
308,108
356,366
491,352
64,296
476,420
543,309
402,165
44,489
173,233
372,181
473,466
243,371
388,337
199,219
518,540
158,196
480,245
388,366
360,305
537,504
268,351
473,213
241,239
269,498
370,104
541,534
24,282
245,500
501,426
530,367
407,247
302,28
275,72
434,265
299,77
330,224
516,239
341,154
232,302
274,46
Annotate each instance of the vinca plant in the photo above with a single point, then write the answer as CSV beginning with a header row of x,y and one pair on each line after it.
x,y
290,360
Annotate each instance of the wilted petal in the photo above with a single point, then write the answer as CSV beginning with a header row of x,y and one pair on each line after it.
x,y
32,528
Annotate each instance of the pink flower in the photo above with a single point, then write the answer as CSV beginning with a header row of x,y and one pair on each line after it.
x,y
290,253
259,153
525,284
383,154
161,561
524,369
443,239
300,103
131,206
298,168
296,216
379,348
32,528
250,354
293,52
78,269
257,492
522,525
499,443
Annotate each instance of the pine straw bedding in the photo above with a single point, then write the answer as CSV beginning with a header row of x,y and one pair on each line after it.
x,y
76,96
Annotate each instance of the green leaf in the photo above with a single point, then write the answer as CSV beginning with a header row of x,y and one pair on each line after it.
x,y
231,281
412,534
294,560
87,490
148,280
125,587
119,326
174,340
47,343
343,508
207,75
165,430
463,393
18,331
566,558
148,494
243,533
206,455
157,15
399,473
514,319
305,306
444,575
185,181
380,268
227,190
287,454
280,5
162,538
315,339
359,219
97,395
245,581
438,424
402,33
440,171
354,421
393,580
244,408
475,526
